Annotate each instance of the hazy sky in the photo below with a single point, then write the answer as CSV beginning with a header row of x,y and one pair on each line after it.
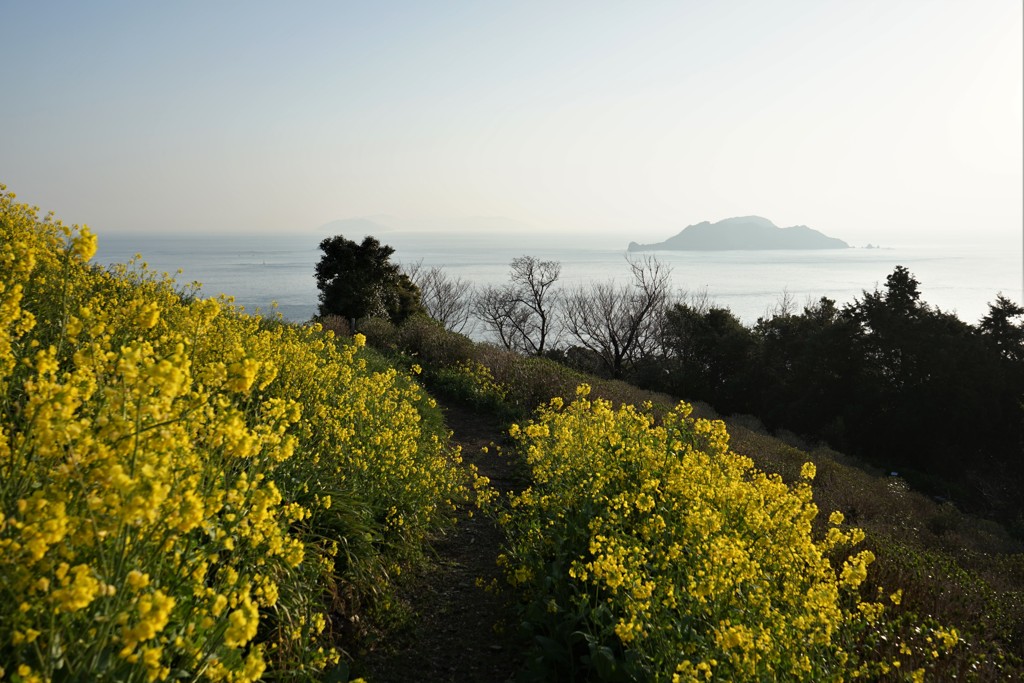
x,y
893,121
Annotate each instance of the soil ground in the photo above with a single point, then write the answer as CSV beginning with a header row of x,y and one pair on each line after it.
x,y
456,630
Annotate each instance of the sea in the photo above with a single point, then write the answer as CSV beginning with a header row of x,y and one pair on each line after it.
x,y
274,274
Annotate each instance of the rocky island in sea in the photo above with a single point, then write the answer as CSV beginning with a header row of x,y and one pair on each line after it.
x,y
747,232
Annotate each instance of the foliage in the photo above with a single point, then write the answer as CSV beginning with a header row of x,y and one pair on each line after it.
x,y
707,353
427,341
187,492
359,281
1000,330
471,383
655,553
888,378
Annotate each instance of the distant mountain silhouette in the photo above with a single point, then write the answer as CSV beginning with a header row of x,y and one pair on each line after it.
x,y
747,232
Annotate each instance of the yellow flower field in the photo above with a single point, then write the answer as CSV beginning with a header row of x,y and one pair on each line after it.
x,y
186,491
189,492
652,552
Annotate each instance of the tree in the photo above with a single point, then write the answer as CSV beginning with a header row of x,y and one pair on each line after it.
x,y
804,371
522,313
447,300
499,311
1001,332
891,328
709,351
622,324
359,281
930,393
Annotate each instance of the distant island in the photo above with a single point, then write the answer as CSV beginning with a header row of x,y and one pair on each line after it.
x,y
747,232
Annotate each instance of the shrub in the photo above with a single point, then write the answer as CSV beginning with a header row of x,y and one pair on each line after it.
x,y
470,383
655,553
428,342
335,324
380,334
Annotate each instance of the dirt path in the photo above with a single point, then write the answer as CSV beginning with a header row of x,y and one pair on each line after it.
x,y
458,631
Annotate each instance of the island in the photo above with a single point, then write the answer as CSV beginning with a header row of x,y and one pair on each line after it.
x,y
747,233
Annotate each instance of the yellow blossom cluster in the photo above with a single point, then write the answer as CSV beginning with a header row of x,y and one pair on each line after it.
x,y
659,543
176,477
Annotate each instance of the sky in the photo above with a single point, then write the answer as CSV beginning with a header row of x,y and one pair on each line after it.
x,y
884,121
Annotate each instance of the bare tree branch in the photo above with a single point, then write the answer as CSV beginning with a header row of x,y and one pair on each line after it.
x,y
498,309
621,323
447,300
521,313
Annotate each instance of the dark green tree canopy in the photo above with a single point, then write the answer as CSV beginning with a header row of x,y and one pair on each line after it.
x,y
710,348
1000,330
888,378
360,281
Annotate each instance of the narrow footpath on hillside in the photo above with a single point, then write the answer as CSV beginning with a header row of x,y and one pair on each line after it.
x,y
457,631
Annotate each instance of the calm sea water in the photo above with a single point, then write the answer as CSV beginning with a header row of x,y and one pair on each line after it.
x,y
259,270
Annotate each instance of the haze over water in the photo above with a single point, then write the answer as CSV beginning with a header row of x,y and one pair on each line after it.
x,y
260,270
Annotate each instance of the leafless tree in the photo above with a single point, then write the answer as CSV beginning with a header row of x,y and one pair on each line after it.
x,y
785,306
446,299
535,280
621,323
500,312
521,314
699,300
